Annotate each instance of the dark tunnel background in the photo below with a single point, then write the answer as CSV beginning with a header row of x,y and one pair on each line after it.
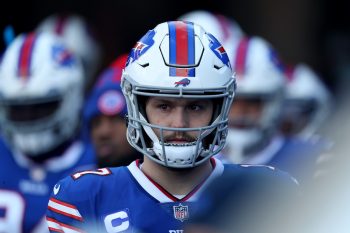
x,y
316,32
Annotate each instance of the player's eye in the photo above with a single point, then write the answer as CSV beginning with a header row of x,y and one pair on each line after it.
x,y
196,107
163,106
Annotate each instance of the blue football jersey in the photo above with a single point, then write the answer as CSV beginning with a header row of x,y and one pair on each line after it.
x,y
124,199
297,156
294,155
25,187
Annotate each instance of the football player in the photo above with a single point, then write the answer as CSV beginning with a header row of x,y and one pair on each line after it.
x,y
41,94
307,102
104,116
179,85
255,116
225,29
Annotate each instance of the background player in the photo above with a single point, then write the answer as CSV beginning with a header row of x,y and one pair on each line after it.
x,y
104,116
254,121
41,94
307,104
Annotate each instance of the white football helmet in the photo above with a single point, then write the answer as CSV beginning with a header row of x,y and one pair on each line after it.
x,y
260,78
306,96
226,30
79,37
41,91
161,65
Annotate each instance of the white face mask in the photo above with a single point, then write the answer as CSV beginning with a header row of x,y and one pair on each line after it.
x,y
34,143
182,154
238,141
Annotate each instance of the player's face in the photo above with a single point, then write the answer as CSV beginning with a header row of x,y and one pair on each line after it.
x,y
179,113
245,113
108,137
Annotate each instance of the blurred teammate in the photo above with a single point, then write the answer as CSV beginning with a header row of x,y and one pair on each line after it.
x,y
226,30
254,119
104,114
307,104
178,86
41,91
80,38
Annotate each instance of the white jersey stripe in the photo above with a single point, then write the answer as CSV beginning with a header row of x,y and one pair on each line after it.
x,y
64,209
146,184
57,226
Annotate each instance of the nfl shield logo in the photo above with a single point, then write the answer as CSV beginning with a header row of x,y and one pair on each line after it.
x,y
181,212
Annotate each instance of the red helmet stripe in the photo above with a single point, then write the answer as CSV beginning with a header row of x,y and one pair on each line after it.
x,y
241,56
182,48
181,43
60,23
26,55
224,25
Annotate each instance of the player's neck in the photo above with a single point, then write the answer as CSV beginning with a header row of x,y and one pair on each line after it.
x,y
177,181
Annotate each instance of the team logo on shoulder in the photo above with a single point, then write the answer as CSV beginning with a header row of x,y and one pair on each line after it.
x,y
56,188
181,212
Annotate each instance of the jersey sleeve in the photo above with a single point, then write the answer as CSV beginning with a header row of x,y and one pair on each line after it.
x,y
71,204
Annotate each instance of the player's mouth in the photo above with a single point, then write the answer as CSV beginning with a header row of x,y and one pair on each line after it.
x,y
180,142
104,150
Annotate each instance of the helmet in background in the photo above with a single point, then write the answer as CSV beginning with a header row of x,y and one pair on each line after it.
x,y
41,89
260,80
226,30
106,97
79,37
180,60
308,101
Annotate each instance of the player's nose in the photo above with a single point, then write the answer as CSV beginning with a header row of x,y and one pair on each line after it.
x,y
179,118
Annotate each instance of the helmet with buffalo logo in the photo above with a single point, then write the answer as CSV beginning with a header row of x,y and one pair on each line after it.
x,y
178,59
225,29
80,37
41,93
261,83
